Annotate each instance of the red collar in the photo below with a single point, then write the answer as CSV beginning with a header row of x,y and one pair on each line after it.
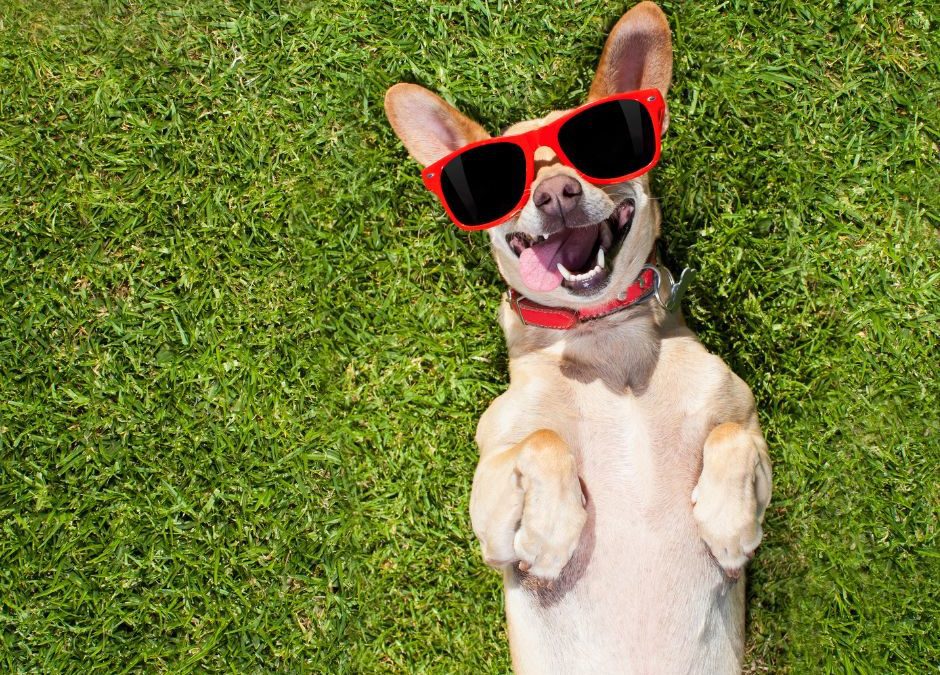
x,y
563,318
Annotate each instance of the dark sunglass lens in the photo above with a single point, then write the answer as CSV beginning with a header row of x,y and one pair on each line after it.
x,y
484,183
609,140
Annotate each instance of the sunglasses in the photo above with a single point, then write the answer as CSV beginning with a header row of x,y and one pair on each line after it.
x,y
607,141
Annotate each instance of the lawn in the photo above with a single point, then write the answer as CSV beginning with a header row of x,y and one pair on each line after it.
x,y
243,352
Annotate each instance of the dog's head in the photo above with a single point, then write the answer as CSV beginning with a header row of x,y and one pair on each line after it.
x,y
566,219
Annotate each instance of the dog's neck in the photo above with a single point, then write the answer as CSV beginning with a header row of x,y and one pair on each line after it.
x,y
621,349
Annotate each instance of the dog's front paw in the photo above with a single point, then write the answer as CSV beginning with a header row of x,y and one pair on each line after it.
x,y
728,525
731,495
552,520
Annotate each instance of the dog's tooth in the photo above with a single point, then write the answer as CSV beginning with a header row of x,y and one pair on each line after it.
x,y
600,258
565,273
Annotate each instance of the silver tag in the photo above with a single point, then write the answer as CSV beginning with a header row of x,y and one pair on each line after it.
x,y
678,288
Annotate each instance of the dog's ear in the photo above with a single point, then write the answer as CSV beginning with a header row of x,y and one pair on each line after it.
x,y
429,127
638,55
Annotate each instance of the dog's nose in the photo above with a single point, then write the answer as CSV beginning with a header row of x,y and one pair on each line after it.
x,y
557,196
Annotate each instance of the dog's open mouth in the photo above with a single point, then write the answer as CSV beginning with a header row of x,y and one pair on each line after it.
x,y
579,259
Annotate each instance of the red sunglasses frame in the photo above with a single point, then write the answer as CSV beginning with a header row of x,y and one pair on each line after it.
x,y
547,136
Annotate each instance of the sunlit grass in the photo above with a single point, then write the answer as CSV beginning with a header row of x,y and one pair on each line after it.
x,y
242,352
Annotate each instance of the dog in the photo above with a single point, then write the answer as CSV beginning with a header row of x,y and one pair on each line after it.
x,y
623,476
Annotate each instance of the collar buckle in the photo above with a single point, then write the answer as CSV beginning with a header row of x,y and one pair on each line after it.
x,y
514,298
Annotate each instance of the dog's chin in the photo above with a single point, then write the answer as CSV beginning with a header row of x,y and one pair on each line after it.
x,y
591,251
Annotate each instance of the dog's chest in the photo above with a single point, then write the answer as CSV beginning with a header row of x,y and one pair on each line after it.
x,y
638,459
634,450
614,441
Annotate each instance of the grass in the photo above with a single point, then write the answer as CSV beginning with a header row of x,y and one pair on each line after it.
x,y
242,353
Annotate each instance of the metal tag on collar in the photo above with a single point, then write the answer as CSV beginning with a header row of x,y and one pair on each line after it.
x,y
677,288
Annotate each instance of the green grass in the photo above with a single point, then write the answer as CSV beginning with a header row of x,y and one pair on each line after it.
x,y
242,353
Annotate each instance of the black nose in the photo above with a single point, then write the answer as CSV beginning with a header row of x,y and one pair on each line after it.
x,y
557,196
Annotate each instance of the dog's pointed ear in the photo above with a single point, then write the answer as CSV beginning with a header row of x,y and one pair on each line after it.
x,y
429,127
638,55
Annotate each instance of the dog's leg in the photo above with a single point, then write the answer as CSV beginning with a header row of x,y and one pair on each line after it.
x,y
527,506
732,493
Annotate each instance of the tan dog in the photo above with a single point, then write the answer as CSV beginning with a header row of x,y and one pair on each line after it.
x,y
623,476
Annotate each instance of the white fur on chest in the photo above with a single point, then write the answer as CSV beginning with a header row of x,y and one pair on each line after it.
x,y
638,481
648,595
612,439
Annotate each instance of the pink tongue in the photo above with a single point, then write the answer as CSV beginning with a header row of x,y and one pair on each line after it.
x,y
538,264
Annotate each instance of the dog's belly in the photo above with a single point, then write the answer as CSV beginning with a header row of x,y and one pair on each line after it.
x,y
642,594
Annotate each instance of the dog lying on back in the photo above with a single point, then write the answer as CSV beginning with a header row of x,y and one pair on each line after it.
x,y
623,476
